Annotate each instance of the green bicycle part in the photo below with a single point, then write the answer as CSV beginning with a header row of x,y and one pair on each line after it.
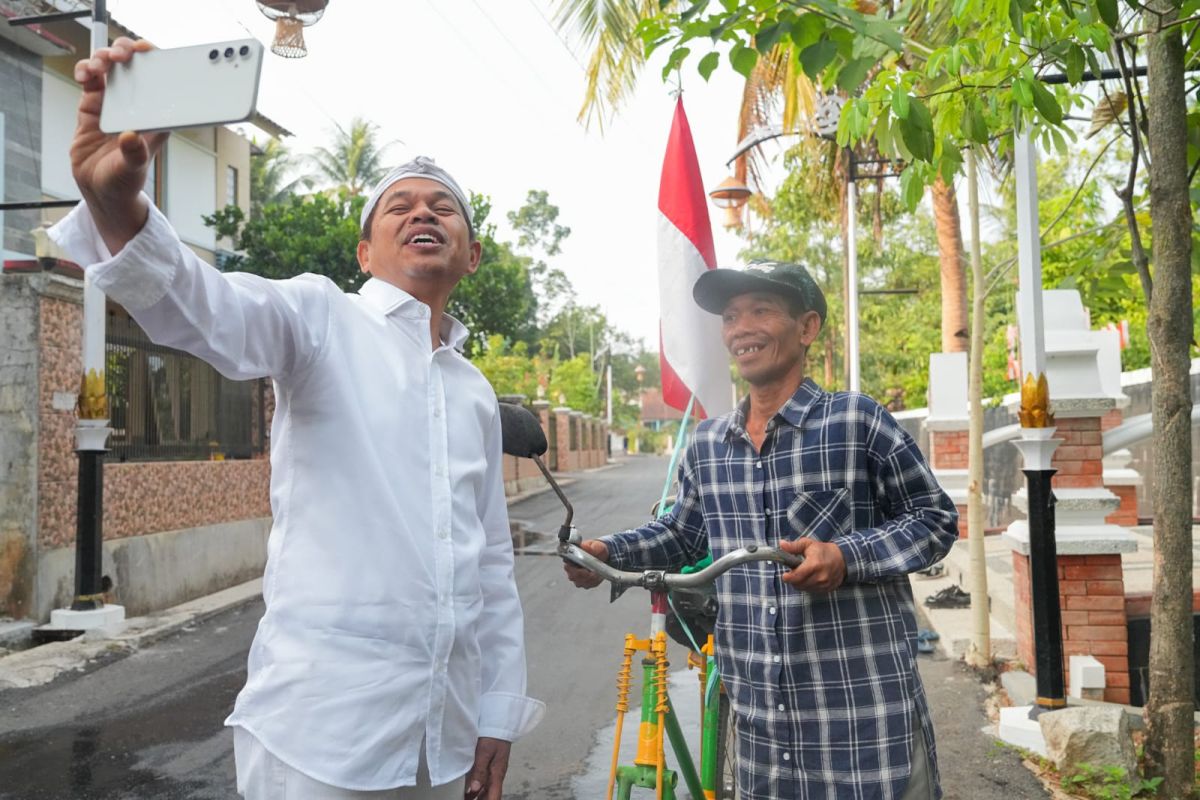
x,y
682,756
645,778
709,744
699,565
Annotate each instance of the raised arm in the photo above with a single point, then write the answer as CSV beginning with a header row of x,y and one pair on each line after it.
x,y
245,326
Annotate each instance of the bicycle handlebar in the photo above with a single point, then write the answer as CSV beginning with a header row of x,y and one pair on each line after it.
x,y
658,580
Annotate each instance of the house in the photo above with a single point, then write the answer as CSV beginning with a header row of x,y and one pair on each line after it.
x,y
187,510
655,413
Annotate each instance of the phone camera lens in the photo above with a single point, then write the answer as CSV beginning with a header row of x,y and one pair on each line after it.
x,y
245,50
229,52
213,55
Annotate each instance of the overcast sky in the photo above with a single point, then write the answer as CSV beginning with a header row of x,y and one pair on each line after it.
x,y
489,89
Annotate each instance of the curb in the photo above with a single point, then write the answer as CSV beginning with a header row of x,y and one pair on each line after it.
x,y
40,665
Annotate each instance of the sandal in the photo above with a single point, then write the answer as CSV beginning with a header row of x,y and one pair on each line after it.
x,y
932,571
950,597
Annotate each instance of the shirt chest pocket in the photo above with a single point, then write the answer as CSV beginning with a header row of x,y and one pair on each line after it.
x,y
822,515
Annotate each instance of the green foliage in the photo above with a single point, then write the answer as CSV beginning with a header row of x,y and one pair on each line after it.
x,y
512,370
498,299
270,176
540,236
315,233
1108,783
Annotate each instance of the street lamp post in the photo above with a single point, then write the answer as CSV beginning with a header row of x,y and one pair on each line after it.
x,y
1037,444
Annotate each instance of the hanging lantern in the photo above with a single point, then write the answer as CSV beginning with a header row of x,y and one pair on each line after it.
x,y
291,18
731,194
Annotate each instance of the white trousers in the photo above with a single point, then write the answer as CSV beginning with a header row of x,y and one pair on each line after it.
x,y
262,776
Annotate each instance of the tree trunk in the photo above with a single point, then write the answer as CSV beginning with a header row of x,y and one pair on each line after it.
x,y
979,654
1169,742
953,261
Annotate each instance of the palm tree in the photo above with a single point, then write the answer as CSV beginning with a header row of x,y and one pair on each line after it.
x,y
354,161
270,165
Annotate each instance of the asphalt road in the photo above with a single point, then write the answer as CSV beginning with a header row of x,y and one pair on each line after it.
x,y
149,725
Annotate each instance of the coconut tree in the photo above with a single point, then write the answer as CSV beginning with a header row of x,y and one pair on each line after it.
x,y
271,166
354,159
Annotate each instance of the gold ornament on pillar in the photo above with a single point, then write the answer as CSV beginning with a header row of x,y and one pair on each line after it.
x,y
93,402
1035,403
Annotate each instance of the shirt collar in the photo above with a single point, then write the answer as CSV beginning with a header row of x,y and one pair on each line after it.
x,y
391,299
793,411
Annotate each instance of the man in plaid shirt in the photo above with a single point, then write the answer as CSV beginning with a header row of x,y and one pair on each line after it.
x,y
819,661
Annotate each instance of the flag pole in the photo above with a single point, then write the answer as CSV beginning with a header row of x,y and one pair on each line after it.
x,y
687,415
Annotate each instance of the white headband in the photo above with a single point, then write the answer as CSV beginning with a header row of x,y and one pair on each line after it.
x,y
419,167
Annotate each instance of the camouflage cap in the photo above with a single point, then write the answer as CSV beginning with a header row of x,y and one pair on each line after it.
x,y
716,287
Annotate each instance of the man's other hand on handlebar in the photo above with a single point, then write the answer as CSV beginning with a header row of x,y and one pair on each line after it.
x,y
585,578
824,567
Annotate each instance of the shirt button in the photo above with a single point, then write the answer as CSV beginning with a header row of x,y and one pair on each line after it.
x,y
777,659
767,510
787,756
437,412
758,465
782,707
443,533
771,610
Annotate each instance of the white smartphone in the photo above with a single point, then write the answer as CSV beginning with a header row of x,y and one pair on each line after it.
x,y
184,87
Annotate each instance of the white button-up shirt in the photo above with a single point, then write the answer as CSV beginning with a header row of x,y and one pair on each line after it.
x,y
392,617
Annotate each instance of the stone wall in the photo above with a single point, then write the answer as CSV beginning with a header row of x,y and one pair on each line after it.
x,y
176,505
19,302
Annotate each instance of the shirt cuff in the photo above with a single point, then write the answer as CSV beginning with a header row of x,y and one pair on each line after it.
x,y
139,275
618,550
508,716
856,555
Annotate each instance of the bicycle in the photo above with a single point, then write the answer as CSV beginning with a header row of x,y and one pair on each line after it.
x,y
717,777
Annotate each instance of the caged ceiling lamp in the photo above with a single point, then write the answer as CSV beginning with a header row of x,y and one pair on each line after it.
x,y
291,18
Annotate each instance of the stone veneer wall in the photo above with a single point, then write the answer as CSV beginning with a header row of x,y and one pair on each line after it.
x,y
139,497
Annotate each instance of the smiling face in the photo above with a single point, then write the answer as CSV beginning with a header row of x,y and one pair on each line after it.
x,y
419,240
766,339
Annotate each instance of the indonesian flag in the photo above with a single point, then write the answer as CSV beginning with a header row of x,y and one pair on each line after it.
x,y
691,353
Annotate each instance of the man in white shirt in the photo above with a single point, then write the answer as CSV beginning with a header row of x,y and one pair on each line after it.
x,y
390,661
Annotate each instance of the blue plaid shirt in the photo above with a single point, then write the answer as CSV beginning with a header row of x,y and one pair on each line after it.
x,y
824,686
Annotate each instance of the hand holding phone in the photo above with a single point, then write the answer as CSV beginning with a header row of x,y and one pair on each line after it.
x,y
185,87
110,170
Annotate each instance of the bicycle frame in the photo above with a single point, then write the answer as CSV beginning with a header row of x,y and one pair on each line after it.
x,y
657,714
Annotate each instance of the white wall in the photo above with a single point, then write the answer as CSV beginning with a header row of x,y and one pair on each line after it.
x,y
191,190
60,104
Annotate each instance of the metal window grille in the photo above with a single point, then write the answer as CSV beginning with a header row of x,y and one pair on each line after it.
x,y
167,405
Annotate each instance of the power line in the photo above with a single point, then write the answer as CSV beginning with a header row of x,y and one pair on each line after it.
x,y
532,68
557,36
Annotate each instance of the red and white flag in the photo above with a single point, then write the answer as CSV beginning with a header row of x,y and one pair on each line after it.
x,y
691,353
